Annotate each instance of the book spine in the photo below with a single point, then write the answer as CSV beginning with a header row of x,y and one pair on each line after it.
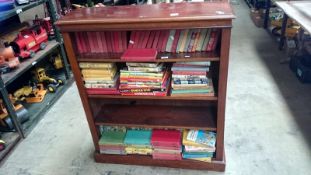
x,y
109,42
150,39
201,39
85,42
196,40
165,39
156,39
145,39
206,40
211,41
120,46
170,41
189,82
190,45
141,39
91,42
132,39
124,41
175,41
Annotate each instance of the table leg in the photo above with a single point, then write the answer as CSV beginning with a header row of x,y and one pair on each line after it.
x,y
283,30
268,5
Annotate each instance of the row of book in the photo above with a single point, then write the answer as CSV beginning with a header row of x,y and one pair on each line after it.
x,y
101,42
160,143
148,79
173,41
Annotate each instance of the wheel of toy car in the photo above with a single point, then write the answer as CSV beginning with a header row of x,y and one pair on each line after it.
x,y
32,53
51,88
60,81
4,68
42,46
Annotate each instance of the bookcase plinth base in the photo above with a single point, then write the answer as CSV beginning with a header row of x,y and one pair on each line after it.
x,y
148,161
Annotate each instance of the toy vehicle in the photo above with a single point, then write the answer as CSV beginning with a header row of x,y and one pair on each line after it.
x,y
30,41
45,23
8,60
56,61
32,94
50,83
21,112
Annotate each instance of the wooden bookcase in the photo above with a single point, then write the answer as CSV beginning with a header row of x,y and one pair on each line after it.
x,y
207,113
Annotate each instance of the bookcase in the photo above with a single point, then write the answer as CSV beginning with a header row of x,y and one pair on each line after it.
x,y
172,112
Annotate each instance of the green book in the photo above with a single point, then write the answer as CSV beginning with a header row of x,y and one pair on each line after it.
x,y
138,137
182,32
170,41
206,40
112,137
201,39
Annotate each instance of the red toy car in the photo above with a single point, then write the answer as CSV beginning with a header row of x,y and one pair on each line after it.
x,y
45,23
30,41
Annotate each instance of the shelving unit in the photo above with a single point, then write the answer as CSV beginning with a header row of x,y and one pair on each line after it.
x,y
35,110
207,113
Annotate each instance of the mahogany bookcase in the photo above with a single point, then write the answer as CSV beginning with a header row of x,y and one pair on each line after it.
x,y
206,113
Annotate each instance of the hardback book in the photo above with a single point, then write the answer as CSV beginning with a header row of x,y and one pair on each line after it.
x,y
137,137
195,63
175,41
104,42
161,38
143,64
112,138
200,81
141,38
132,39
99,42
165,39
186,40
94,40
120,46
115,42
202,137
169,138
206,40
139,55
117,152
145,39
137,39
156,39
215,41
109,42
124,40
201,39
79,42
192,39
170,41
150,39
99,74
189,72
190,68
97,78
102,71
86,42
196,40
138,150
91,41
180,39
167,151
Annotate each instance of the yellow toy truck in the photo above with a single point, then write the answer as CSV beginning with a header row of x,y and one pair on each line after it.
x,y
50,83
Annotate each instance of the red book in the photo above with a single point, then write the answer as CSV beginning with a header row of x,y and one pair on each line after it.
x,y
102,91
215,41
191,43
132,39
124,41
165,156
120,42
94,40
167,138
109,42
115,40
175,42
91,42
78,43
139,55
145,39
165,39
156,39
160,42
86,42
150,39
211,41
136,39
99,42
167,147
189,73
104,42
141,39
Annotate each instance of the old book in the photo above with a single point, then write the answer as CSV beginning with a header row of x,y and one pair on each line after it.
x,y
202,137
175,41
170,41
150,39
169,138
145,39
137,137
156,39
206,40
187,142
95,65
182,39
201,39
132,39
185,44
196,40
112,138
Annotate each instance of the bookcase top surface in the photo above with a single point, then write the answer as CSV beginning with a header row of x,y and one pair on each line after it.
x,y
164,12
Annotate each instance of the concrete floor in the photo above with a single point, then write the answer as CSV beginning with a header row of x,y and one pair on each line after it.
x,y
267,123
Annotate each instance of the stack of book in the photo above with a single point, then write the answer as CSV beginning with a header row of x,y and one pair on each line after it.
x,y
144,79
198,145
190,79
111,141
101,42
100,78
175,41
166,144
138,142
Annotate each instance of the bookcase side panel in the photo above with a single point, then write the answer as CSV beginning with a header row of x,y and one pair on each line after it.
x,y
80,85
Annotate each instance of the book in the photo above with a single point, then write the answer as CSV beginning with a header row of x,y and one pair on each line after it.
x,y
86,43
187,142
99,42
95,65
203,159
109,42
95,43
79,43
206,40
142,64
120,45
104,42
186,40
200,81
175,41
169,138
201,39
199,149
112,138
145,39
141,35
189,45
103,71
170,41
139,55
138,150
186,155
150,39
202,137
90,41
183,34
196,40
165,39
101,91
163,156
132,39
124,41
156,39
137,137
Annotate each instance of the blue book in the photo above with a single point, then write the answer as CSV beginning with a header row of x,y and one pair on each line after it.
x,y
187,155
138,137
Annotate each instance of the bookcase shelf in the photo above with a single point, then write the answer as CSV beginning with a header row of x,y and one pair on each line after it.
x,y
151,116
201,98
161,57
202,112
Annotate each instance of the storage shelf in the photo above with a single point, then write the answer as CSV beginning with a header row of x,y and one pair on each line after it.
x,y
161,57
147,160
158,116
19,9
211,98
29,62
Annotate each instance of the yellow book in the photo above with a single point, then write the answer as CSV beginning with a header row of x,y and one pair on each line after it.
x,y
96,65
93,75
204,159
138,150
188,142
99,71
183,41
